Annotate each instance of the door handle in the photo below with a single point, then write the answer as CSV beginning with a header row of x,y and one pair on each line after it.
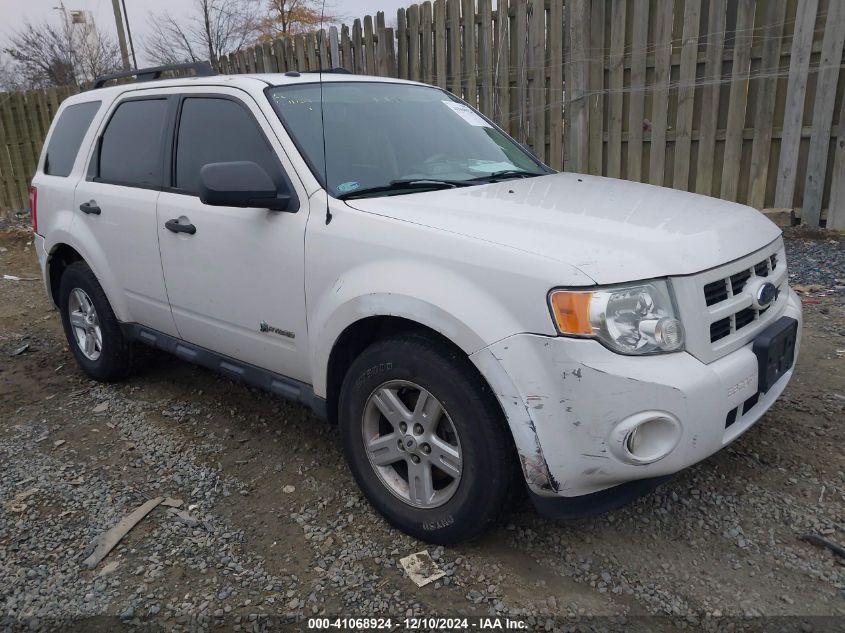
x,y
90,208
176,227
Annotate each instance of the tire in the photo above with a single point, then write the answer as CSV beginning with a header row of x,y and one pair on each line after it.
x,y
110,359
449,508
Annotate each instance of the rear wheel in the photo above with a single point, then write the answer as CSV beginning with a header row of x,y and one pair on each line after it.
x,y
425,440
92,330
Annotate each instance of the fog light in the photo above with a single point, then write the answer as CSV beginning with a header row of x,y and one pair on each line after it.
x,y
646,437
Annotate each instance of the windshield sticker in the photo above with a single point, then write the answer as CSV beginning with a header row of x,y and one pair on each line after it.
x,y
490,166
466,113
346,187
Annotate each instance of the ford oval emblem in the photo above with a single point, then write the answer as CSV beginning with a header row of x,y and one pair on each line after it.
x,y
767,294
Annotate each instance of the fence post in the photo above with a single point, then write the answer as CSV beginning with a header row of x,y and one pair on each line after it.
x,y
829,66
595,88
427,69
537,78
636,111
402,42
453,15
577,69
346,48
710,102
441,65
737,102
555,57
468,53
387,53
334,47
796,90
766,93
836,210
616,67
686,94
413,14
369,43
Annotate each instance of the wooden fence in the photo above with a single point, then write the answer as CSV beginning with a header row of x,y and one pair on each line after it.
x,y
24,120
739,99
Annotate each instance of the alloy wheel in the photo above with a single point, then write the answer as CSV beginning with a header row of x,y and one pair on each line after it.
x,y
85,324
412,444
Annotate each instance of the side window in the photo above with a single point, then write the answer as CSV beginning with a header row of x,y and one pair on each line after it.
x,y
130,151
67,136
218,131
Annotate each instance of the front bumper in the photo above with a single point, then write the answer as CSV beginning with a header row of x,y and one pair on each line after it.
x,y
565,397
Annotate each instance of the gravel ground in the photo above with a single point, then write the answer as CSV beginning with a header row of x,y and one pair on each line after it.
x,y
817,261
275,530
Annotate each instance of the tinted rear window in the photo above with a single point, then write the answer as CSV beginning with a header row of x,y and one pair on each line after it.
x,y
131,149
67,136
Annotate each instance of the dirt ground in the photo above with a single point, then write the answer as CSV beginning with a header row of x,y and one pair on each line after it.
x,y
276,526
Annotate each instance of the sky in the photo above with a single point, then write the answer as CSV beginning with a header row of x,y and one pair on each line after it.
x,y
13,13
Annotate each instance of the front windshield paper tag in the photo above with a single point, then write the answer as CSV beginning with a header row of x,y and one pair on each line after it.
x,y
466,113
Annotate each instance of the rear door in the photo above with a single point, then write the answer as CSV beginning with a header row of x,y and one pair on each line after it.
x,y
116,207
236,285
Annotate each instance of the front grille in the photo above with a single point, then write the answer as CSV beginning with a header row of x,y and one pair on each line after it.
x,y
720,329
744,317
721,290
715,292
738,281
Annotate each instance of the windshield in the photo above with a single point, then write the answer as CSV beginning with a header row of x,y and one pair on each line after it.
x,y
381,135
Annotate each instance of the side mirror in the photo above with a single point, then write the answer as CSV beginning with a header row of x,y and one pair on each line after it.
x,y
240,184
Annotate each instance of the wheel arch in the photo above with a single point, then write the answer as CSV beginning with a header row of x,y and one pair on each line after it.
x,y
61,256
359,335
64,249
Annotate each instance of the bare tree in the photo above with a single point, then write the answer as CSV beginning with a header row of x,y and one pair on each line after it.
x,y
10,78
295,16
47,55
216,28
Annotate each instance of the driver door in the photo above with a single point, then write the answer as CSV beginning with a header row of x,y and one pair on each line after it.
x,y
236,283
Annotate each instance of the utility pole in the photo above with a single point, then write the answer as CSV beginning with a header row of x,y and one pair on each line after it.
x,y
121,35
129,35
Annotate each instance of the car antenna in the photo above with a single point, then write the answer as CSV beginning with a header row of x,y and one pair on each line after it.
x,y
322,114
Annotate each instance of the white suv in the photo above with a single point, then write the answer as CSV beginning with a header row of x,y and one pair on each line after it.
x,y
381,252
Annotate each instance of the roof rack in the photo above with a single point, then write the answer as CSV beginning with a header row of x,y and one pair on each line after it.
x,y
201,69
335,71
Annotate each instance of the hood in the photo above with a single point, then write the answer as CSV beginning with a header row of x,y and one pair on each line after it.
x,y
612,230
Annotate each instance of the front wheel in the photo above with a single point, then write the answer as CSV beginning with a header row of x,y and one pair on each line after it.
x,y
425,440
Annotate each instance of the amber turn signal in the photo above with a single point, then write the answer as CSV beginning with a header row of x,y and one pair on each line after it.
x,y
571,311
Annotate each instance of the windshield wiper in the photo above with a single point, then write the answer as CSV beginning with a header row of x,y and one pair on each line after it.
x,y
507,173
407,184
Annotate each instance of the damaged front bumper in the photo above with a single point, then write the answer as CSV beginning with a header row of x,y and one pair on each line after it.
x,y
571,405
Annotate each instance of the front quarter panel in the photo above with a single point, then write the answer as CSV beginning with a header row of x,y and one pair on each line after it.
x,y
472,292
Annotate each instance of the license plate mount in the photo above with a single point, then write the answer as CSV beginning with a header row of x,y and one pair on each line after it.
x,y
775,351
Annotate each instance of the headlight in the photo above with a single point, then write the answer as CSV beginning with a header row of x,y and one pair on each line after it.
x,y
631,319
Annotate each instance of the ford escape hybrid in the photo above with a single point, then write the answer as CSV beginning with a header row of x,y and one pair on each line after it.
x,y
473,322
